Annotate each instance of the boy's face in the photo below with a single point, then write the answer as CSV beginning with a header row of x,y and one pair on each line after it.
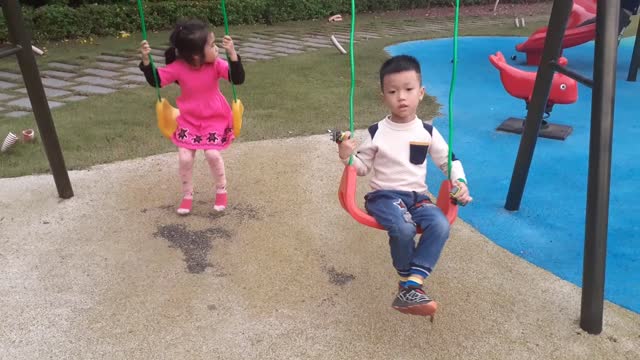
x,y
402,92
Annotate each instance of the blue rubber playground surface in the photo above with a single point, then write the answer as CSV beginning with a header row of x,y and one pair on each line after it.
x,y
548,230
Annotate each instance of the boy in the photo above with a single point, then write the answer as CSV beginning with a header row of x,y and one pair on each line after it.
x,y
396,150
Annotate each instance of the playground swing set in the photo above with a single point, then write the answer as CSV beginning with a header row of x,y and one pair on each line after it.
x,y
166,114
603,100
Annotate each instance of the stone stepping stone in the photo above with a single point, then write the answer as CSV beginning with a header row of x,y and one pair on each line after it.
x,y
96,80
288,36
129,86
6,96
414,28
62,66
286,51
256,45
252,50
7,85
280,54
101,72
58,74
315,42
135,78
394,32
294,44
108,65
16,114
92,89
49,92
260,41
10,76
25,103
55,83
156,60
366,34
132,70
258,57
74,98
111,58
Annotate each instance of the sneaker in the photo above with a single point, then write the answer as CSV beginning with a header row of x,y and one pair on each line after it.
x,y
221,202
185,206
414,301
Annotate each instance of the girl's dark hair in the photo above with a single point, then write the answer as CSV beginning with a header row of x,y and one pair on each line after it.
x,y
399,63
188,40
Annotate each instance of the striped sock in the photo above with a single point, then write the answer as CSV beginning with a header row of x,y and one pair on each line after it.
x,y
404,276
414,281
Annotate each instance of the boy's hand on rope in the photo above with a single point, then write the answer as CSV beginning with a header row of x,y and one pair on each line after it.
x,y
145,50
227,45
462,196
347,146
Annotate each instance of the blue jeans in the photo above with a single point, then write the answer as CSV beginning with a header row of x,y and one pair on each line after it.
x,y
399,212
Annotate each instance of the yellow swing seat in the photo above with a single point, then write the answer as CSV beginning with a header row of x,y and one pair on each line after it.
x,y
237,109
166,115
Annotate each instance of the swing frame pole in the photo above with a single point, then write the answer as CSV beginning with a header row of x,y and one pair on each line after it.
x,y
20,38
599,178
600,145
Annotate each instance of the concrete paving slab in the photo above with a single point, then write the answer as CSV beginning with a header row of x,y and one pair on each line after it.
x,y
4,96
63,66
92,89
16,114
58,74
7,85
49,92
25,103
97,80
283,273
101,72
10,76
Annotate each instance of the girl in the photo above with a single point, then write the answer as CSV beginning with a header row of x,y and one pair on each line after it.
x,y
205,120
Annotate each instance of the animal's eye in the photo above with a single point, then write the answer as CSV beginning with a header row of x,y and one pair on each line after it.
x,y
563,86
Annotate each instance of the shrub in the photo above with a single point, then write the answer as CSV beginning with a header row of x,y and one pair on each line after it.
x,y
60,19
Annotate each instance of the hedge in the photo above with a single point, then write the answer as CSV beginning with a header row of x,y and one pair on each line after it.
x,y
64,19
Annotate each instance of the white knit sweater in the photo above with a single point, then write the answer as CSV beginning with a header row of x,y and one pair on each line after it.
x,y
397,155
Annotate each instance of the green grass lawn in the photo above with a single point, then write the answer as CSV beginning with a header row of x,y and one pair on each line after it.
x,y
289,96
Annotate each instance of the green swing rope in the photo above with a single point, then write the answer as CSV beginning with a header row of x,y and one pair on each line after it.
x,y
451,88
144,37
153,66
226,32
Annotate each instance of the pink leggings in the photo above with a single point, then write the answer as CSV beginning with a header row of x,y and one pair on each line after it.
x,y
186,158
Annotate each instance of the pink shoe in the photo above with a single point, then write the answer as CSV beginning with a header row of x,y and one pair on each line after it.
x,y
221,201
185,206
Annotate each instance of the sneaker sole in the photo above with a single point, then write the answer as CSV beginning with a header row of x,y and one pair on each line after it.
x,y
427,309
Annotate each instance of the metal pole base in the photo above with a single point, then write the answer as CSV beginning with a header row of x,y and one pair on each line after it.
x,y
547,130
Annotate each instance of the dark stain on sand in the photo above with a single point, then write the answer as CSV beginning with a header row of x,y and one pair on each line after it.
x,y
195,245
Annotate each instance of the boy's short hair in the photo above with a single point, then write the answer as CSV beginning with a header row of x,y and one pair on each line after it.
x,y
399,63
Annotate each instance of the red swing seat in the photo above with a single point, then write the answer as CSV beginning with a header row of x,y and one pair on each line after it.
x,y
347,197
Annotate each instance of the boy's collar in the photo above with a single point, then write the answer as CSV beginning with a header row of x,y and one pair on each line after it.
x,y
401,126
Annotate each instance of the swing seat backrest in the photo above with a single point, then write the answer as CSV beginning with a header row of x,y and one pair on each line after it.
x,y
166,116
347,197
